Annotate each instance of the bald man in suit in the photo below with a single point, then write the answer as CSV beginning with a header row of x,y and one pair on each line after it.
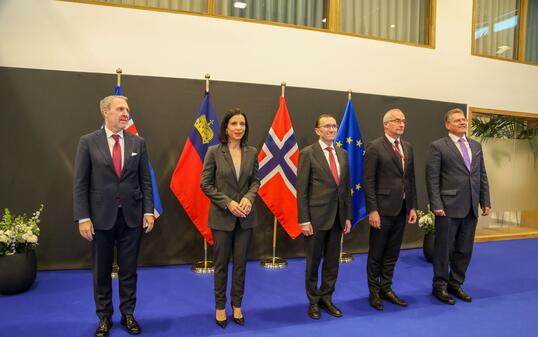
x,y
391,201
457,183
324,207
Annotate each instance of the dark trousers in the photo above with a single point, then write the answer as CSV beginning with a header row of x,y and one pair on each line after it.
x,y
384,250
454,238
326,244
127,242
226,243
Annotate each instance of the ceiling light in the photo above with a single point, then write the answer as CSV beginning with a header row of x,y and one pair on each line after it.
x,y
240,4
393,26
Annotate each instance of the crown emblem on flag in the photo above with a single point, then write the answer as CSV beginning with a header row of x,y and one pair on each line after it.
x,y
204,129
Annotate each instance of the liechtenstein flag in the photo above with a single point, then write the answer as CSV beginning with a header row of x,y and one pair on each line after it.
x,y
278,161
349,138
185,182
157,205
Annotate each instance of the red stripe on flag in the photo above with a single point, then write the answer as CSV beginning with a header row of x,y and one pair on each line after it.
x,y
185,184
282,204
132,129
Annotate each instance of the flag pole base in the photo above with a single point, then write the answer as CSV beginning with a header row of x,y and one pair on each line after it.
x,y
115,270
273,262
203,267
346,257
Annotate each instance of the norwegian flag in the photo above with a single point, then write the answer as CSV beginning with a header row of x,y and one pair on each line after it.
x,y
278,171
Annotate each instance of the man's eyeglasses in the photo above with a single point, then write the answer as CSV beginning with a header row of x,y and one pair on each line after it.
x,y
328,126
398,121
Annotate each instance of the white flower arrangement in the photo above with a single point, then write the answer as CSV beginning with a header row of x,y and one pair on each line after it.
x,y
426,221
18,233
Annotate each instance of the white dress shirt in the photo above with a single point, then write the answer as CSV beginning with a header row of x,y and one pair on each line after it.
x,y
326,153
456,139
392,140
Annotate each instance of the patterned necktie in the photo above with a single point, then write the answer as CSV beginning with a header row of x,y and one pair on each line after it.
x,y
465,153
332,164
116,155
396,148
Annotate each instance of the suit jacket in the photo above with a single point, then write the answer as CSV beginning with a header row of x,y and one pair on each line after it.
x,y
97,188
386,181
451,186
221,186
318,197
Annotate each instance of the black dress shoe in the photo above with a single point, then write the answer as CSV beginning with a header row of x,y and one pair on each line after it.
x,y
443,296
459,293
222,323
331,309
104,327
313,311
375,301
392,297
130,323
239,321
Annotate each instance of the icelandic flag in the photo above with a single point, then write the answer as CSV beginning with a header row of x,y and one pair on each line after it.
x,y
185,182
349,138
157,204
278,161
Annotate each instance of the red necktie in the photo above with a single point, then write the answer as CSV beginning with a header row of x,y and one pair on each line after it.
x,y
332,164
116,155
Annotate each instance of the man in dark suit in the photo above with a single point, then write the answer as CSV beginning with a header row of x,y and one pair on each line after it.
x,y
324,206
113,204
457,182
391,201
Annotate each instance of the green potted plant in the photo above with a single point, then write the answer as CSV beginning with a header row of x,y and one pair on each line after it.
x,y
19,235
426,222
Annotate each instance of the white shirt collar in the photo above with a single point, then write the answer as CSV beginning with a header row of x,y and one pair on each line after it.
x,y
455,138
110,133
392,140
324,146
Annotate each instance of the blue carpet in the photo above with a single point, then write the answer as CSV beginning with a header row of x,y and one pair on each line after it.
x,y
173,301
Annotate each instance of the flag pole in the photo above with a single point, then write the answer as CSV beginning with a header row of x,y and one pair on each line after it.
x,y
115,267
206,266
345,257
275,262
118,77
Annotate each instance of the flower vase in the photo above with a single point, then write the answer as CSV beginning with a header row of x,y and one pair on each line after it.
x,y
428,246
17,272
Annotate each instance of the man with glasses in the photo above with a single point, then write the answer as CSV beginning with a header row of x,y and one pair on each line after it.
x,y
391,201
457,182
324,207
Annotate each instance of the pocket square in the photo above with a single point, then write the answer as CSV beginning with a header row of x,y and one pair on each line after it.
x,y
134,154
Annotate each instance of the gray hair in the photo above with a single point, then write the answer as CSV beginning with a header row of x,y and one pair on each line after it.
x,y
387,114
451,112
105,102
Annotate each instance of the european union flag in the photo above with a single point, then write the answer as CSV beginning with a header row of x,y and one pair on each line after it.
x,y
349,138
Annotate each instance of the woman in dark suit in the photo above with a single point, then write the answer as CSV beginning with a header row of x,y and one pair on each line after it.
x,y
230,180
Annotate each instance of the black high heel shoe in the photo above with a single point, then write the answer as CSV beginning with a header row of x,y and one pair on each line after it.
x,y
222,323
239,321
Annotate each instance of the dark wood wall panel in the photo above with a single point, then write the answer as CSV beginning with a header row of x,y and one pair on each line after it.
x,y
44,112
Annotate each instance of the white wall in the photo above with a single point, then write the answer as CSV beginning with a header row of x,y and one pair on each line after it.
x,y
47,34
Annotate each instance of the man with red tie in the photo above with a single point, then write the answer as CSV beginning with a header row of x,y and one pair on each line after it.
x,y
113,205
391,201
324,207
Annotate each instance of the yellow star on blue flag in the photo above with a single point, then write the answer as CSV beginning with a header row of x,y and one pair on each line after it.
x,y
349,131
